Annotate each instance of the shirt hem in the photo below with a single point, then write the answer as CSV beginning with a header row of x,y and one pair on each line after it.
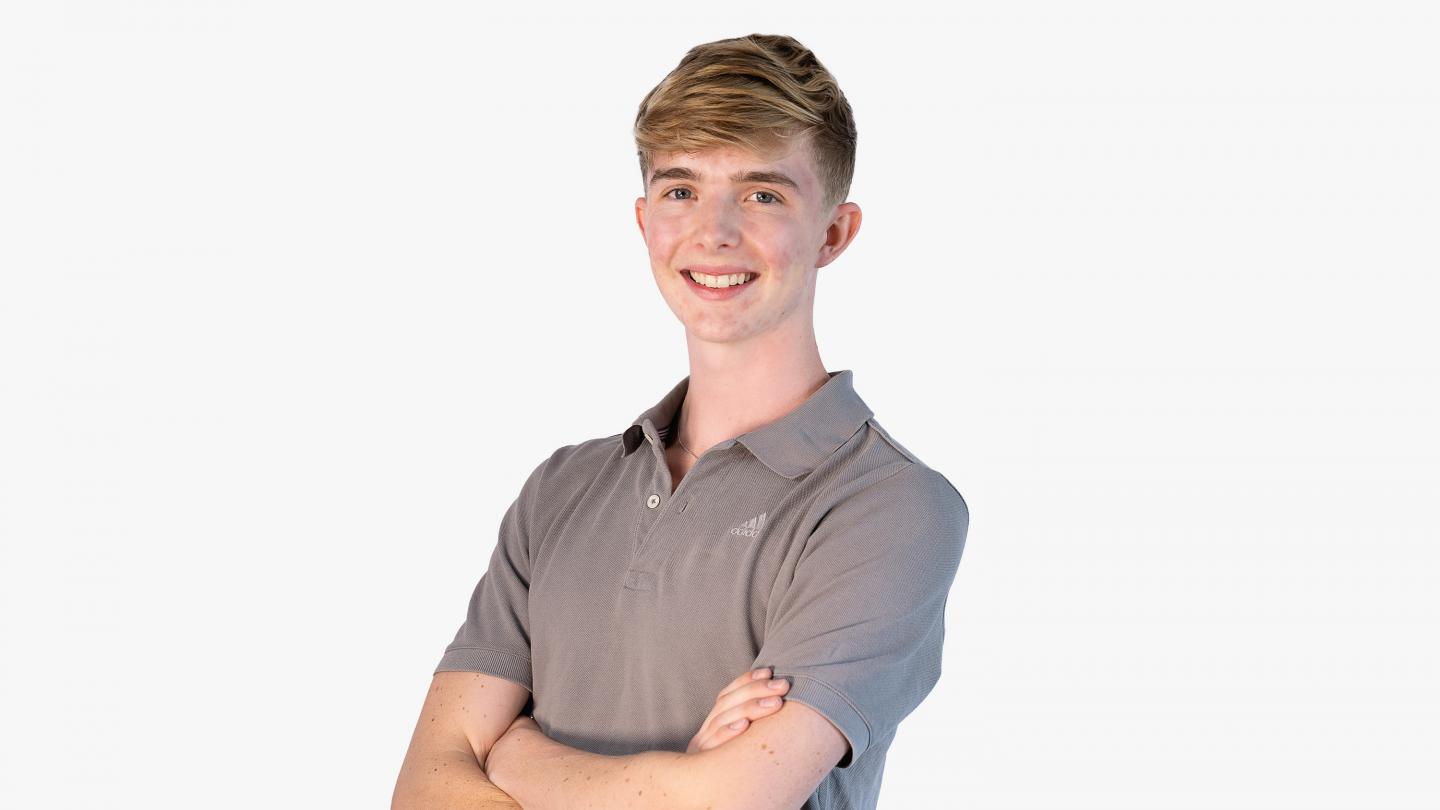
x,y
500,663
830,702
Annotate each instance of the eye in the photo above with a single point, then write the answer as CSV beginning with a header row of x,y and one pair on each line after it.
x,y
677,188
771,196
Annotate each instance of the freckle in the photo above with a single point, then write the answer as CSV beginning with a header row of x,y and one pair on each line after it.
x,y
639,793
762,746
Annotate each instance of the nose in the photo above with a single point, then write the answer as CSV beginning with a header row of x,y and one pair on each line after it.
x,y
717,224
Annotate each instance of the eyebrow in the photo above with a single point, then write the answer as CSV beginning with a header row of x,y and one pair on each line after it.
x,y
682,173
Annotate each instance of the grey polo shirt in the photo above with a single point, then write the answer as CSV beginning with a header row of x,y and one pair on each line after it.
x,y
815,544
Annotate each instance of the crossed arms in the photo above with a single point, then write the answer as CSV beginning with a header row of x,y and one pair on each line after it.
x,y
868,662
471,749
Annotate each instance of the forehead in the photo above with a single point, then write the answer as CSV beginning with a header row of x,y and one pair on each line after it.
x,y
721,164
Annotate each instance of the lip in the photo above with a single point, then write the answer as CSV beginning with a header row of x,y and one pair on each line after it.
x,y
712,293
718,270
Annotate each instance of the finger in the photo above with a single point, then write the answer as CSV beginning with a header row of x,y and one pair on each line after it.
x,y
743,680
739,691
753,691
712,734
749,711
743,704
724,734
725,725
758,688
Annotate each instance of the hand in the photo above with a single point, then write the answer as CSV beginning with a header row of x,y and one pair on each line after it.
x,y
738,704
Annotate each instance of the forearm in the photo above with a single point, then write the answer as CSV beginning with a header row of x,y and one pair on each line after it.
x,y
452,780
543,774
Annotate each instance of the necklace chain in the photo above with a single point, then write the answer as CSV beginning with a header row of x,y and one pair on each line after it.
x,y
682,441
688,450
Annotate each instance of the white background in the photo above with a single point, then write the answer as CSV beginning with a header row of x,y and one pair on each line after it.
x,y
294,294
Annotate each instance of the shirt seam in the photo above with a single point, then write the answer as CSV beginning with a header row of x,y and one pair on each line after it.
x,y
828,495
890,440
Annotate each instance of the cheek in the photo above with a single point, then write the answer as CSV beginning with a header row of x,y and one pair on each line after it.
x,y
662,235
789,247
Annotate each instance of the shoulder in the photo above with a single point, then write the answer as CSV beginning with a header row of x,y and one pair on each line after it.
x,y
882,489
585,457
572,465
887,475
906,494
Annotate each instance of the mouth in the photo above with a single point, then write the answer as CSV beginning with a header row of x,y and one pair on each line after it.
x,y
719,278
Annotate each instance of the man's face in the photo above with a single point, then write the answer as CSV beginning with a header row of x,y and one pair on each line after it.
x,y
727,211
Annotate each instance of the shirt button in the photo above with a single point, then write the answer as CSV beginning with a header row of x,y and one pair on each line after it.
x,y
653,501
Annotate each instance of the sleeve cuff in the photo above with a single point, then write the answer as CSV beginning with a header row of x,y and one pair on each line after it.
x,y
501,664
836,708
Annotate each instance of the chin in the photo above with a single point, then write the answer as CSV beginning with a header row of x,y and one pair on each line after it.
x,y
710,333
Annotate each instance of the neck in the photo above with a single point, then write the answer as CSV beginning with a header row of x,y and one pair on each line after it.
x,y
738,387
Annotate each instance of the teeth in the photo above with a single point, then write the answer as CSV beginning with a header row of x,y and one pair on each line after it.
x,y
721,281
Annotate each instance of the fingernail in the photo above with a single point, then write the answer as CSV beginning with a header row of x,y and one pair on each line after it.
x,y
737,724
771,701
777,683
758,674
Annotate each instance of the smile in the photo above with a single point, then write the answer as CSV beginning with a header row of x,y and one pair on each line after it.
x,y
719,288
731,280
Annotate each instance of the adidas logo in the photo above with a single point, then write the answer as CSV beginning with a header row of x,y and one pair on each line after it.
x,y
751,527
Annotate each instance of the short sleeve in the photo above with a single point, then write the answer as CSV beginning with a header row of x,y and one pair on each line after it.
x,y
859,629
495,636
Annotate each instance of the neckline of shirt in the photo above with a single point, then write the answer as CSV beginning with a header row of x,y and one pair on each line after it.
x,y
790,446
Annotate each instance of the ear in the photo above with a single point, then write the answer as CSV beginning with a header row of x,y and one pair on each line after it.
x,y
640,215
839,233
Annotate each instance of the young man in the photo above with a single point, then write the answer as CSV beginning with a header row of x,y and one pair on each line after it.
x,y
756,519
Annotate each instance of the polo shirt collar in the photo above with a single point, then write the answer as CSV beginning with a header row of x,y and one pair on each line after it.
x,y
792,445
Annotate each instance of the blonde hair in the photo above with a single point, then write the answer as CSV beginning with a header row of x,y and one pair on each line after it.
x,y
754,92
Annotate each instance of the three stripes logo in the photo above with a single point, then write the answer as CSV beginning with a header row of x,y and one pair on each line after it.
x,y
751,527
